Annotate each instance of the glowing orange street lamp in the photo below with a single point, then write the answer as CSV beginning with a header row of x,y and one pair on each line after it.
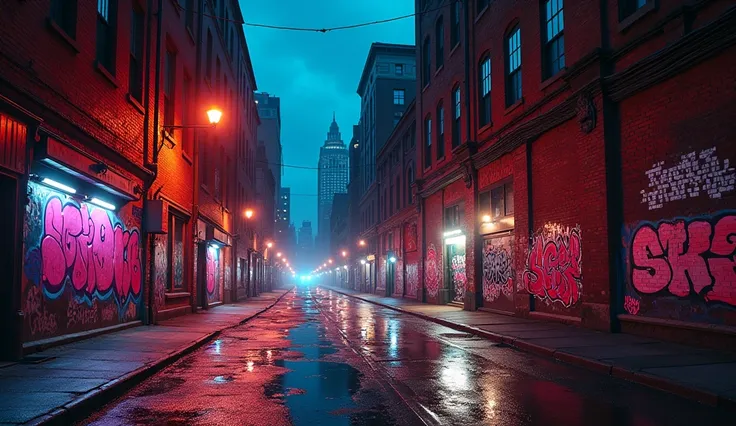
x,y
214,115
269,244
248,213
344,253
329,260
278,254
361,243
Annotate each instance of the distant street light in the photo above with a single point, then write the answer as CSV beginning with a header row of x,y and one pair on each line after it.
x,y
344,253
361,243
248,213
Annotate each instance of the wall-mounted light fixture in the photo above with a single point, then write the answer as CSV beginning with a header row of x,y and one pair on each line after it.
x,y
58,185
101,203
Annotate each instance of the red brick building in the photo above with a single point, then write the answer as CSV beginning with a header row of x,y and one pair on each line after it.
x,y
563,178
101,134
398,255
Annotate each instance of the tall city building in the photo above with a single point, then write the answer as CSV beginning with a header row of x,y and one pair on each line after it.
x,y
305,240
283,210
269,136
332,179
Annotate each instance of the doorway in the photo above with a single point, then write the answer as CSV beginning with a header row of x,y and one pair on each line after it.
x,y
455,255
390,276
9,328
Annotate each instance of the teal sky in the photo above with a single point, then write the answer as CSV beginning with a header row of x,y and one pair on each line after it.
x,y
315,74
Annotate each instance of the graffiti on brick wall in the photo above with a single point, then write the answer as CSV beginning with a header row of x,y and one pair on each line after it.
x,y
81,263
685,258
161,274
211,270
432,271
498,269
412,279
554,265
697,174
459,279
410,237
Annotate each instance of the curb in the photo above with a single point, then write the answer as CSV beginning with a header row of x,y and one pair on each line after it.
x,y
658,383
86,403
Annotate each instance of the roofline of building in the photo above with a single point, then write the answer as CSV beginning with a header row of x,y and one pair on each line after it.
x,y
248,63
377,48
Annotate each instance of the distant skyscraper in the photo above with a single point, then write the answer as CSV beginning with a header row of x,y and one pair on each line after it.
x,y
283,210
306,240
269,136
333,179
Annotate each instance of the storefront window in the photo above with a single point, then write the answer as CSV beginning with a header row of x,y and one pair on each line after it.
x,y
176,253
498,202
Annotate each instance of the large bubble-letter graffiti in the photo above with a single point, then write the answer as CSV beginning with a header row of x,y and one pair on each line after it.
x,y
432,271
686,258
553,267
498,268
80,262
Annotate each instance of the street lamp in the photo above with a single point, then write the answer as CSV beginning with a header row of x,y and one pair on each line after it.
x,y
213,116
329,261
248,213
278,254
269,244
361,243
344,253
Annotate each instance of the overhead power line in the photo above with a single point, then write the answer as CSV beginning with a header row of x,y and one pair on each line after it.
x,y
292,166
321,30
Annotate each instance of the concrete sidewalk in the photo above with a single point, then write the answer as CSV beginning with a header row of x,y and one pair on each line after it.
x,y
61,384
704,375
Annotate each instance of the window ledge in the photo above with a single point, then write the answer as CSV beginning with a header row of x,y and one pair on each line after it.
x,y
170,137
205,188
177,6
441,159
186,157
426,86
135,103
438,70
551,80
177,295
101,68
62,34
627,22
485,127
454,48
482,12
514,106
191,35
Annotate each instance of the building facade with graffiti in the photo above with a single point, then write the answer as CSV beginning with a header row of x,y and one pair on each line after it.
x,y
562,179
98,168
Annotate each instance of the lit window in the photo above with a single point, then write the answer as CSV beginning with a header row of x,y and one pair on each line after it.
x,y
513,67
554,38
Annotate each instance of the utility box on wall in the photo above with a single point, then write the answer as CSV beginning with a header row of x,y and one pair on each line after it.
x,y
157,217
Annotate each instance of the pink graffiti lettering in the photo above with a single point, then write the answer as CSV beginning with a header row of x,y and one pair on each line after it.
x,y
459,279
80,314
82,245
498,269
108,312
686,257
553,269
40,321
631,305
432,271
211,266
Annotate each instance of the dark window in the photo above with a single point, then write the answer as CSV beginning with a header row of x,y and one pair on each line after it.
x,y
398,193
186,114
513,67
480,5
209,56
440,43
440,131
175,253
456,117
427,141
426,62
399,69
455,24
484,100
498,202
453,217
399,95
628,7
169,86
64,14
106,18
135,72
554,37
391,201
189,15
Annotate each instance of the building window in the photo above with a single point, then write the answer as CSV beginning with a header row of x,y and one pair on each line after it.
x,y
455,24
440,43
426,62
209,56
456,116
498,202
169,86
480,5
409,183
440,131
64,14
453,217
186,96
484,100
399,95
398,193
628,7
175,253
399,69
554,37
427,142
106,18
189,15
513,67
135,72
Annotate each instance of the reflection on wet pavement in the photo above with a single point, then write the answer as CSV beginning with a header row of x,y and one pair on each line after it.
x,y
318,358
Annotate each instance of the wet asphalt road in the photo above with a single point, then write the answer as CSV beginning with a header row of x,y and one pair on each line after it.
x,y
319,358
